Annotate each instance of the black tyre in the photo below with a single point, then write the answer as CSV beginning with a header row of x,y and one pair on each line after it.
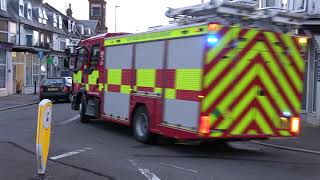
x,y
83,106
141,126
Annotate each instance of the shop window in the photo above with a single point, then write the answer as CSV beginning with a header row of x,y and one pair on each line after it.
x,y
95,56
3,65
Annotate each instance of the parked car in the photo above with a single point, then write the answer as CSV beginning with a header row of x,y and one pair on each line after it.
x,y
56,89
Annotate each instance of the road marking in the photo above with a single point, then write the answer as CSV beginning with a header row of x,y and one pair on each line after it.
x,y
146,172
69,154
149,175
288,148
74,118
181,168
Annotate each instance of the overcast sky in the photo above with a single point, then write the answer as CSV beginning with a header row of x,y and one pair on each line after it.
x,y
132,16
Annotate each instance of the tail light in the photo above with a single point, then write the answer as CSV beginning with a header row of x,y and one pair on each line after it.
x,y
295,125
204,127
65,89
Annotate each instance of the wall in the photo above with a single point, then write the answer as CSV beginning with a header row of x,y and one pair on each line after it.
x,y
22,35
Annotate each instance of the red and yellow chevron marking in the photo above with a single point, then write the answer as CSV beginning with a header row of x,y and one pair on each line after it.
x,y
249,85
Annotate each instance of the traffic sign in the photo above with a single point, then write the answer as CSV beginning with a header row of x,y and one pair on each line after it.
x,y
43,134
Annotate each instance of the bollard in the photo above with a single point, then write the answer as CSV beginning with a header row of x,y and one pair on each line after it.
x,y
43,136
35,87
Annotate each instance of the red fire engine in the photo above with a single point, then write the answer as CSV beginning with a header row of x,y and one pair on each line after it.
x,y
198,81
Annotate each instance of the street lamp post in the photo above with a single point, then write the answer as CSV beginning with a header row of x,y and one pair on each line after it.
x,y
115,18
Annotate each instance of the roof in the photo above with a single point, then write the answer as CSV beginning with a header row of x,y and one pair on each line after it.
x,y
92,24
13,10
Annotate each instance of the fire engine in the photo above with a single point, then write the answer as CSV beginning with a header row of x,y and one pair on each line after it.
x,y
221,78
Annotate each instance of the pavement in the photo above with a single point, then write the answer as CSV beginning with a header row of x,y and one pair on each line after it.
x,y
307,140
17,100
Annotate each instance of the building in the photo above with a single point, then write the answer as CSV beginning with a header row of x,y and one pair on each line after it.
x,y
33,40
8,37
97,13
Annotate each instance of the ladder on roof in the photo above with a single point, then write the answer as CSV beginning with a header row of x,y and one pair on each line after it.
x,y
244,14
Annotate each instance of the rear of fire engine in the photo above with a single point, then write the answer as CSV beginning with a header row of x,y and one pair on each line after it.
x,y
199,81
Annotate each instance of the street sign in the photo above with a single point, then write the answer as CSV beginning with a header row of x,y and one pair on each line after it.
x,y
43,134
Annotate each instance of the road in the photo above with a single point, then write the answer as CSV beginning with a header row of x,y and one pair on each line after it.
x,y
101,150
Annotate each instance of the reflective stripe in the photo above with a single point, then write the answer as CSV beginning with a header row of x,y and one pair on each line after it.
x,y
77,77
146,77
125,89
92,78
169,34
114,76
188,79
170,93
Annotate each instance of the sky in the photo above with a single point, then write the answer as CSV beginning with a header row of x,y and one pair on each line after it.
x,y
132,15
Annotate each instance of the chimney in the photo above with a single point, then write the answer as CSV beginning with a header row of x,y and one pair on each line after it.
x,y
69,11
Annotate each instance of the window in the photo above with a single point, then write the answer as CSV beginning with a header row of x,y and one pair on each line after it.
x,y
3,4
89,31
29,11
35,38
69,26
81,57
40,12
95,56
3,31
55,20
270,4
42,38
45,16
82,29
12,32
74,27
21,8
60,22
95,10
298,5
63,45
3,65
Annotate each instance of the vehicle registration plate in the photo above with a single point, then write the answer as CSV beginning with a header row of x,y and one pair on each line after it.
x,y
52,89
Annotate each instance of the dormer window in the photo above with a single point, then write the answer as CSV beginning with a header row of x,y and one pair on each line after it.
x,y
82,29
29,11
3,5
69,26
21,8
60,22
55,20
74,27
40,19
45,16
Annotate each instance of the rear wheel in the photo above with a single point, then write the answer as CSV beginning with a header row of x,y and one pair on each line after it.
x,y
141,126
83,107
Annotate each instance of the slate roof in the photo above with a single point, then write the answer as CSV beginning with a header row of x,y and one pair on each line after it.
x,y
92,24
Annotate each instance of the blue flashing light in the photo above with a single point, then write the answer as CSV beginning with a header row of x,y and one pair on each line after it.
x,y
212,40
